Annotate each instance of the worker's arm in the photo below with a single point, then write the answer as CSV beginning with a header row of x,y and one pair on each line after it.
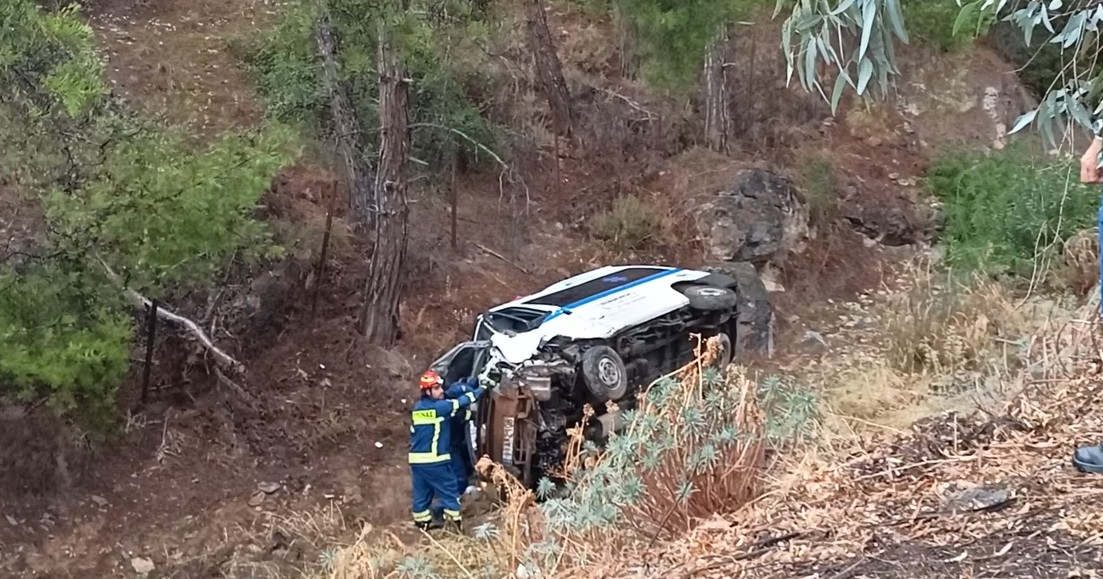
x,y
449,408
461,387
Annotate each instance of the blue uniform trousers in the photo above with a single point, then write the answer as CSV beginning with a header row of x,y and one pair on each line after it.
x,y
437,480
461,456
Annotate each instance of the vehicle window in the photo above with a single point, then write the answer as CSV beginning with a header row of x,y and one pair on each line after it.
x,y
461,366
514,320
595,286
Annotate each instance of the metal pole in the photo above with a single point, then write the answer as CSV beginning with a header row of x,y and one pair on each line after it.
x,y
325,247
151,335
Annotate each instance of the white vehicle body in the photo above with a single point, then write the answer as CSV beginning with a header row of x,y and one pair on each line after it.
x,y
597,304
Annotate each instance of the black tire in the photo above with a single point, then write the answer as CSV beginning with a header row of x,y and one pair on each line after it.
x,y
710,298
604,374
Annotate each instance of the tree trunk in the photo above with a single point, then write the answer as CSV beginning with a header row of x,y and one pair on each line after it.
x,y
549,72
346,126
379,320
717,118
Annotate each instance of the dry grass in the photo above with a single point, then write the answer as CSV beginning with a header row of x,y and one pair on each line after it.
x,y
944,328
935,345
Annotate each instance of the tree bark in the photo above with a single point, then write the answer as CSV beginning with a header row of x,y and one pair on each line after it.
x,y
549,71
348,131
717,117
379,320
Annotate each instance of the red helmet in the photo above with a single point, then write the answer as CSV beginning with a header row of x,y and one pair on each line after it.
x,y
430,379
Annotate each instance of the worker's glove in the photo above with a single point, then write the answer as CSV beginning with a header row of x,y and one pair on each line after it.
x,y
486,382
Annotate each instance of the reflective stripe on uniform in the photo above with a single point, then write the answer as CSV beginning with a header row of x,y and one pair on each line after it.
x,y
423,517
428,457
427,418
450,515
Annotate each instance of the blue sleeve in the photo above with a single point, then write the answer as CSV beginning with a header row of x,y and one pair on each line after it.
x,y
455,390
449,408
461,387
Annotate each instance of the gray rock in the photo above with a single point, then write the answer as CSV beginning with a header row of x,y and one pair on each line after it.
x,y
755,315
141,565
978,498
761,217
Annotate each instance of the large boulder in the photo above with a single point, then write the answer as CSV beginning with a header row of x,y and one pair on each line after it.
x,y
760,218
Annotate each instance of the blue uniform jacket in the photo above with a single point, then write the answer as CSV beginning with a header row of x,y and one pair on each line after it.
x,y
430,431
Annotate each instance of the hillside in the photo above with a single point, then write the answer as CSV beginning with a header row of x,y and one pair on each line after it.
x,y
273,472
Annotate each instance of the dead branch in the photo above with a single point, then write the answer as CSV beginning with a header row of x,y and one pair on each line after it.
x,y
143,302
501,257
649,116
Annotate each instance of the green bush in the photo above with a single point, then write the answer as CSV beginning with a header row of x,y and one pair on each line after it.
x,y
164,215
1002,209
116,191
932,23
821,190
631,223
63,331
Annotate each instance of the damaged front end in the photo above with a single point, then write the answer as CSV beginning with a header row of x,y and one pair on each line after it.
x,y
523,420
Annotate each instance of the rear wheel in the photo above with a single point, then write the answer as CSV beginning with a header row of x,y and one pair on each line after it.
x,y
604,373
709,298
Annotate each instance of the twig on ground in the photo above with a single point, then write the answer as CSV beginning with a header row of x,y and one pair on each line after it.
x,y
501,257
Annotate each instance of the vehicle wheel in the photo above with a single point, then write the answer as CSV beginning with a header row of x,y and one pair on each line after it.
x,y
709,298
724,359
604,373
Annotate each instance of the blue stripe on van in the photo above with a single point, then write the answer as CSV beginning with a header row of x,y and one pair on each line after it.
x,y
567,308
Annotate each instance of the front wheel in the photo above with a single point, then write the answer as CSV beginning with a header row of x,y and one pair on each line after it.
x,y
604,373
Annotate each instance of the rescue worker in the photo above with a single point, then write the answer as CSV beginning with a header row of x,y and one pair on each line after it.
x,y
431,469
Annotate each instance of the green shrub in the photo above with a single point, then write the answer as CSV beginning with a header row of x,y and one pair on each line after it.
x,y
62,331
631,223
164,215
1002,209
932,22
821,190
694,447
116,191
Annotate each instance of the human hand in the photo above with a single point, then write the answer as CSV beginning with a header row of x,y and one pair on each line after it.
x,y
1089,163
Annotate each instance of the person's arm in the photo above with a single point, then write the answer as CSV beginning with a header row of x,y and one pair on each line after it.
x,y
449,408
1089,162
461,387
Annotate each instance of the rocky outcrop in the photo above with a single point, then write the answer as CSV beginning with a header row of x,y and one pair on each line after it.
x,y
760,218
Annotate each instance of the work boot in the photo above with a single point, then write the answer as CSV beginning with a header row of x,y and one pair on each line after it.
x,y
427,525
1089,459
454,526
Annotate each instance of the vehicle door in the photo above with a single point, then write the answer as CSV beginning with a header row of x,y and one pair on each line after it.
x,y
465,360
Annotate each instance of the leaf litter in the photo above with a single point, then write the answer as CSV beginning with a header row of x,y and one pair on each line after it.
x,y
982,495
